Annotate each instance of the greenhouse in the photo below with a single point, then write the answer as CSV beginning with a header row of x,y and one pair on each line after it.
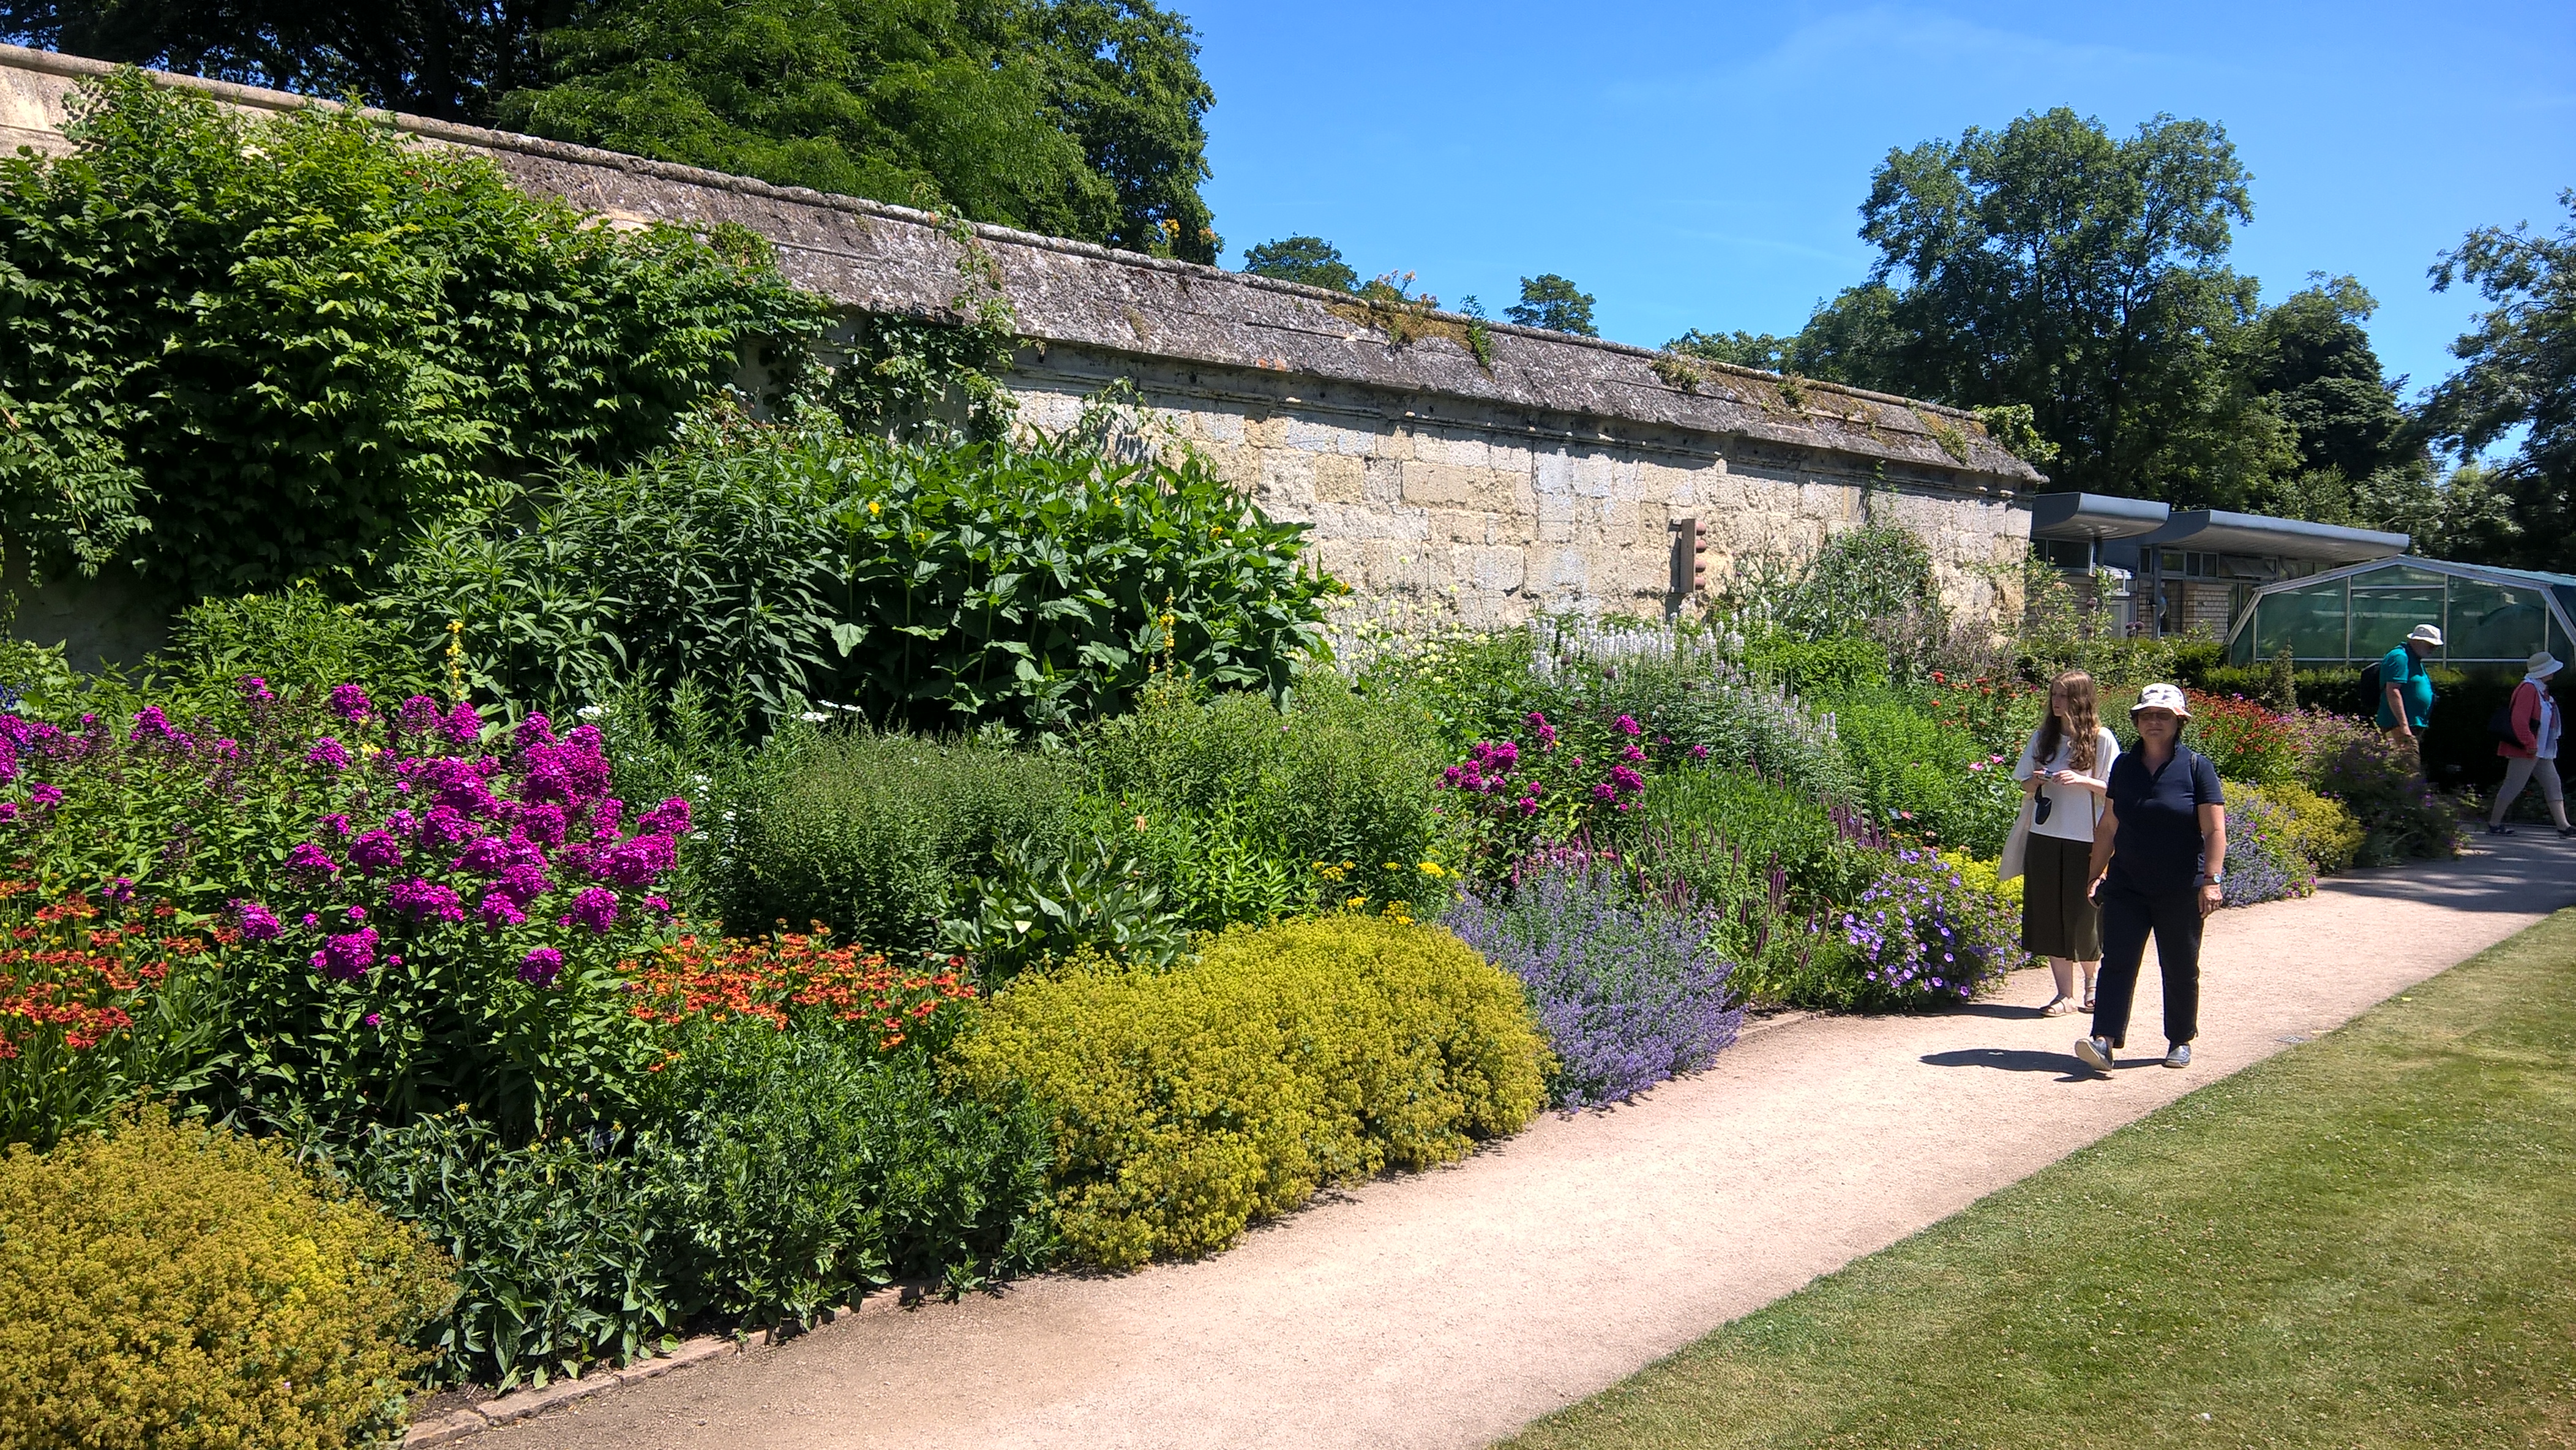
x,y
2489,617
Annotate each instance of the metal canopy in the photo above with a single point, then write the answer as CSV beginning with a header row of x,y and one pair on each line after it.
x,y
2093,516
2218,532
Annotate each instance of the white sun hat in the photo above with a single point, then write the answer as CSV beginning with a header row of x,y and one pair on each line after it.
x,y
2541,666
2424,634
2162,697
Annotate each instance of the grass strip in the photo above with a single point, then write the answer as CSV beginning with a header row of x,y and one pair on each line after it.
x,y
2368,1240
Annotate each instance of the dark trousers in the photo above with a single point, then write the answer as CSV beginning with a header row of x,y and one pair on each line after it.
x,y
2127,917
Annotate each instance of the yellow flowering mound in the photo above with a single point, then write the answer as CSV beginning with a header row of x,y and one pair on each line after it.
x,y
1188,1103
1979,875
2318,827
182,1289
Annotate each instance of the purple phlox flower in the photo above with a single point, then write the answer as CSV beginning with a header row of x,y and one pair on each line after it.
x,y
337,825
312,919
535,730
1699,752
1632,753
442,827
226,748
44,797
425,900
523,882
119,891
1605,792
349,702
329,753
595,908
376,1019
462,726
1626,779
150,725
1628,725
254,689
541,966
347,956
498,910
357,913
637,860
542,824
417,716
306,858
605,813
661,904
670,818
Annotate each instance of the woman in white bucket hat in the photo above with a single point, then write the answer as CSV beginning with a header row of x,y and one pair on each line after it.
x,y
2532,747
2159,853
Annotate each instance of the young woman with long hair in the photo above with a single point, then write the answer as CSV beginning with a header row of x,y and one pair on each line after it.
x,y
2064,769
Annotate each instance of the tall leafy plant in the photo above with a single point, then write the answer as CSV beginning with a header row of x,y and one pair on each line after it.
x,y
246,349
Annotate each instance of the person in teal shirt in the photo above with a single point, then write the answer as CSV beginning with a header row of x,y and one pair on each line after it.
x,y
2405,687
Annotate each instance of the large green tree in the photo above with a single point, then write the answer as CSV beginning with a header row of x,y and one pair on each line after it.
x,y
447,58
2518,377
2054,264
1311,260
1555,303
1082,118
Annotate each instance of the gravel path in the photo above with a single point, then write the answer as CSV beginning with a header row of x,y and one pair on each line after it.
x,y
1449,1308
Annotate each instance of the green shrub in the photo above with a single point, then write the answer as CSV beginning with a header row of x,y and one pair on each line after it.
x,y
2319,828
171,1287
1921,777
938,587
1035,909
1758,825
1831,664
1186,1104
253,348
1249,811
875,834
297,639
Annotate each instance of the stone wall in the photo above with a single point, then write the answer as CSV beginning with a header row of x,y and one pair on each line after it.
x,y
1486,477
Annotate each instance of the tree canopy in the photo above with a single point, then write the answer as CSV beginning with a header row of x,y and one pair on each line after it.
x,y
2518,372
1081,118
1311,260
1553,302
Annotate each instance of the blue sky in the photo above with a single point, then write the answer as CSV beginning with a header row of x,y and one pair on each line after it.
x,y
1702,166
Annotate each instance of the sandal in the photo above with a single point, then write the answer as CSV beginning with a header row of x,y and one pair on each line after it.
x,y
2058,1007
2088,1000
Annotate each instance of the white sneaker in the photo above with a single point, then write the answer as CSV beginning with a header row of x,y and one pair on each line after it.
x,y
2094,1052
2179,1055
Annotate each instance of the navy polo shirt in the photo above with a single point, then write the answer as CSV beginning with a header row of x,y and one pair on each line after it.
x,y
2157,849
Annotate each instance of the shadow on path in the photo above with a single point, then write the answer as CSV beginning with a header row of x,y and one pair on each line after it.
x,y
2010,1059
2496,874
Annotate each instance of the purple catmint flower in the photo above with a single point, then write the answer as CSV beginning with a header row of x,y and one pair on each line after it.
x,y
595,908
541,966
349,702
328,753
670,818
258,923
425,900
308,859
498,911
463,726
348,956
376,851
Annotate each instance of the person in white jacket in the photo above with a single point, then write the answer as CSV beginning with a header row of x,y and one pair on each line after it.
x,y
2063,769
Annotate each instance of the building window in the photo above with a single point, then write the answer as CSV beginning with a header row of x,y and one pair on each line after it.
x,y
2182,564
2065,553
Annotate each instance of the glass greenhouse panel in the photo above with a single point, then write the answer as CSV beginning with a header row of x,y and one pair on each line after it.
x,y
2309,620
2495,622
2381,616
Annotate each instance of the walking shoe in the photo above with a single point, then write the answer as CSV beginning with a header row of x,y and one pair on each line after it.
x,y
2496,830
2568,831
2058,1007
2094,1052
2179,1055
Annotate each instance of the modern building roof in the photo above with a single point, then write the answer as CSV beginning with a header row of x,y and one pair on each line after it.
x,y
2231,533
2094,516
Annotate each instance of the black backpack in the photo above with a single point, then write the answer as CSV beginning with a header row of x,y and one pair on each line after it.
x,y
2372,696
2500,724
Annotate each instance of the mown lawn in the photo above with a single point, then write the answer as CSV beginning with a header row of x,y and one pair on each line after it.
x,y
2369,1240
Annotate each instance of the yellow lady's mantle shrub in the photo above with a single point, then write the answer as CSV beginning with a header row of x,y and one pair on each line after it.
x,y
1187,1103
181,1289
